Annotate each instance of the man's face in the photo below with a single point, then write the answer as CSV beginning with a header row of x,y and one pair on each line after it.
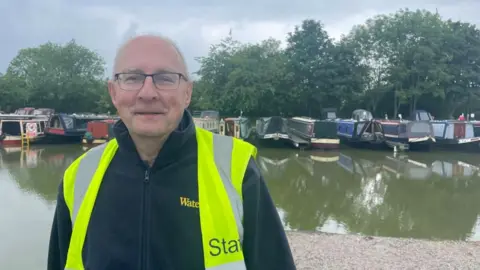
x,y
151,109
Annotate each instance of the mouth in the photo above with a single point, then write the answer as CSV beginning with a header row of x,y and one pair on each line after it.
x,y
148,113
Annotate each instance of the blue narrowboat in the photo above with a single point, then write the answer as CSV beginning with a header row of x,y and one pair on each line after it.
x,y
360,130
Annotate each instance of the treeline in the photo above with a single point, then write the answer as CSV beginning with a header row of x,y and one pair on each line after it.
x,y
391,64
68,78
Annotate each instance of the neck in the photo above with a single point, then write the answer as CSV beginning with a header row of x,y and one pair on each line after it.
x,y
148,148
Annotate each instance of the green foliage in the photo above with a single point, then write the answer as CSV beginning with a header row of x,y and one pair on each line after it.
x,y
391,64
68,78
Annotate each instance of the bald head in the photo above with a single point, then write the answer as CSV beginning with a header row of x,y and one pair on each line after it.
x,y
152,42
150,106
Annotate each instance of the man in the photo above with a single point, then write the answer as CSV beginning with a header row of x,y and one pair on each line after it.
x,y
164,194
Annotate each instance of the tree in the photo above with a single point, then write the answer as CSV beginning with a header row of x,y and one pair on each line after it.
x,y
309,53
241,77
66,77
461,50
214,71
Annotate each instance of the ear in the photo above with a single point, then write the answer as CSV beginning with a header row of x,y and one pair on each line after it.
x,y
112,92
188,94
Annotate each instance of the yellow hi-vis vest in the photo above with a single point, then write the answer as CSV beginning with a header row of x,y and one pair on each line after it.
x,y
222,162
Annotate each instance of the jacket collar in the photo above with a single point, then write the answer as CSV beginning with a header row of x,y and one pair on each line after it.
x,y
172,147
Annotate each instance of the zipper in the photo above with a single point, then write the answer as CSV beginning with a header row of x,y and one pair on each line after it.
x,y
144,250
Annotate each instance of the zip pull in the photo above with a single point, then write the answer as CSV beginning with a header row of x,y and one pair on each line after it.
x,y
147,176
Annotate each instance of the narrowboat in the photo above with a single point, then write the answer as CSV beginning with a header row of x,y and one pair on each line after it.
x,y
15,132
98,132
25,125
414,134
313,133
272,131
455,135
70,128
237,127
208,120
361,130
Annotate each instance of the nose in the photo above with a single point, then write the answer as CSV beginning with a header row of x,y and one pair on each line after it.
x,y
148,91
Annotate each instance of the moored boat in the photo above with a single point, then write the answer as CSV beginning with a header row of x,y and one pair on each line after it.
x,y
455,135
238,127
98,132
15,132
362,130
415,134
314,133
209,120
70,128
24,126
272,131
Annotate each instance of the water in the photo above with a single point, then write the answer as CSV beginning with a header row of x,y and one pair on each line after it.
x,y
419,195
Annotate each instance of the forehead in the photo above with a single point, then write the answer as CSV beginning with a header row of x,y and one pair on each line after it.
x,y
149,54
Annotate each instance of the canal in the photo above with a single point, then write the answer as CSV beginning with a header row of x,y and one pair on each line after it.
x,y
420,195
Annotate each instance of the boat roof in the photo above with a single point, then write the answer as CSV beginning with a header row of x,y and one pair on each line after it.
x,y
305,119
89,116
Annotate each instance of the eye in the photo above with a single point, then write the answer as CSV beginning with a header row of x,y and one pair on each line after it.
x,y
166,78
131,78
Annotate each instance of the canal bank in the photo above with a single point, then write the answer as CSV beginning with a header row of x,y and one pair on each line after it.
x,y
337,251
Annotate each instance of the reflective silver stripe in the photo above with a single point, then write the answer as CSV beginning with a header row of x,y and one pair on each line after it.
x,y
86,169
222,151
229,266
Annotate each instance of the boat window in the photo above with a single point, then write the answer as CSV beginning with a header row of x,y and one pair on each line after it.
x,y
11,128
81,123
229,128
420,128
391,129
331,115
68,122
55,123
423,116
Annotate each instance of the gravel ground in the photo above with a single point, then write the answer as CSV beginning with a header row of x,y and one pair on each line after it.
x,y
335,251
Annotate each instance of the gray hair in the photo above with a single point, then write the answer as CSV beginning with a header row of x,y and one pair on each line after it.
x,y
156,35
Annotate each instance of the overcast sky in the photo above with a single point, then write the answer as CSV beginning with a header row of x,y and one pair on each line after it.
x,y
194,25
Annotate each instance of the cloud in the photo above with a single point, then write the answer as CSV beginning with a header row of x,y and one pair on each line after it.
x,y
194,25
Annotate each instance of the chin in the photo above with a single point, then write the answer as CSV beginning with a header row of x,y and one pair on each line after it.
x,y
149,130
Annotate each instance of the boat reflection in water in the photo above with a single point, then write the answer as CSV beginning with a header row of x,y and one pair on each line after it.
x,y
373,193
38,170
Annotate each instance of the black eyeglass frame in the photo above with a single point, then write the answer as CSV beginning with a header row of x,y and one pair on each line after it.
x,y
180,76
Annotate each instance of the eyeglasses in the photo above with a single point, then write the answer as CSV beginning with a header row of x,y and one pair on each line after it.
x,y
162,81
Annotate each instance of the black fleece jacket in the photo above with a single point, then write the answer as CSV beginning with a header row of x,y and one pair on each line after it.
x,y
139,223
